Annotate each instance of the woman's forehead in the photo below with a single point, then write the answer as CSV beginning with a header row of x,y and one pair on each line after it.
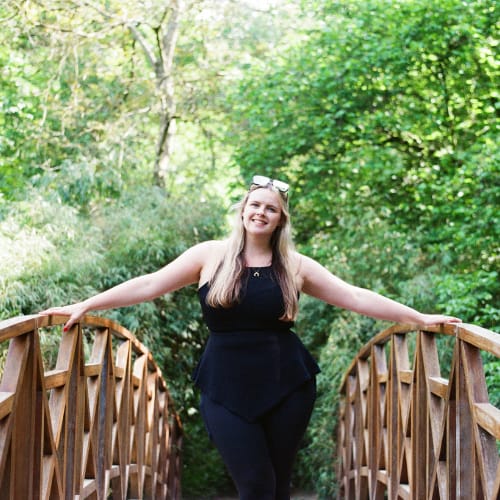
x,y
264,195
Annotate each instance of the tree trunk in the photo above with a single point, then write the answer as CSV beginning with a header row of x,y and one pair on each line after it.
x,y
166,88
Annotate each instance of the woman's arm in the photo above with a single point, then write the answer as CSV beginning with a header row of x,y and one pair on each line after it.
x,y
184,270
322,284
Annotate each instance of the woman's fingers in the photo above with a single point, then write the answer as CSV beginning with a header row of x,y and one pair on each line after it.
x,y
53,311
75,312
438,319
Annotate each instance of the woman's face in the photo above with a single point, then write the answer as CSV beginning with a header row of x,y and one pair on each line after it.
x,y
262,212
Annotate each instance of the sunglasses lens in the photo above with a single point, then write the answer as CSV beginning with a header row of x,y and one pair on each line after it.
x,y
261,180
281,186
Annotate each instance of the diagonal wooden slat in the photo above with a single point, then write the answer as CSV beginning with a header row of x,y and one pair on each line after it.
x,y
19,377
375,424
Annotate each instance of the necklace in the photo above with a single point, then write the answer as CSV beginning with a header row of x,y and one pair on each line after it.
x,y
256,271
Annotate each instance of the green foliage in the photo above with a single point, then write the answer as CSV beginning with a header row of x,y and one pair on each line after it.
x,y
492,374
471,297
68,101
355,112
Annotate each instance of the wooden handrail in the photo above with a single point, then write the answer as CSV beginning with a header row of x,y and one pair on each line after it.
x,y
406,431
96,426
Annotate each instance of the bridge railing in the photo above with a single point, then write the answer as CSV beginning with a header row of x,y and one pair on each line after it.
x,y
99,424
415,417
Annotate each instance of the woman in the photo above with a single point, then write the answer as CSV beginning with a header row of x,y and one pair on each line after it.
x,y
256,378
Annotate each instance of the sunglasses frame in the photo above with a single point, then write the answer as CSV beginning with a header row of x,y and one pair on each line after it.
x,y
264,181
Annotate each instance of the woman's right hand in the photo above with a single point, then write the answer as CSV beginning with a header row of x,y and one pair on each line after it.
x,y
74,311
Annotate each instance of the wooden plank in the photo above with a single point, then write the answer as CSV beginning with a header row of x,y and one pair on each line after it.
x,y
6,403
89,486
373,441
419,429
450,445
23,438
483,339
92,369
438,386
136,381
381,338
119,371
114,471
382,476
14,327
15,364
444,417
496,486
404,491
392,407
467,476
406,376
55,378
488,417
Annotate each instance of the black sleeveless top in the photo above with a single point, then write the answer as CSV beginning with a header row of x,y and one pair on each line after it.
x,y
252,359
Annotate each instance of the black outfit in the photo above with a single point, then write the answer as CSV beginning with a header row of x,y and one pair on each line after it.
x,y
258,387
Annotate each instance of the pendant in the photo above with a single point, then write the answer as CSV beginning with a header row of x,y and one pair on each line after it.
x,y
256,274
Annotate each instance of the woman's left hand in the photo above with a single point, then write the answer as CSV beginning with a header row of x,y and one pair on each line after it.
x,y
437,319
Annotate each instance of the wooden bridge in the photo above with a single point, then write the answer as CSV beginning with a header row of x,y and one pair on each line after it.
x,y
99,424
416,420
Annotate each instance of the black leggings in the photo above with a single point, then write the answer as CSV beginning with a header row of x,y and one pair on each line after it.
x,y
259,455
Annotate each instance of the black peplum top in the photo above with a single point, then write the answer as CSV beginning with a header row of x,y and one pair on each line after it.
x,y
252,359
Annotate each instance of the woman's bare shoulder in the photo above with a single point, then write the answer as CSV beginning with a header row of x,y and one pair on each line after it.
x,y
207,249
211,253
217,246
297,267
298,261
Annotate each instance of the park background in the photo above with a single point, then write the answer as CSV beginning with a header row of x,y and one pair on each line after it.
x,y
128,129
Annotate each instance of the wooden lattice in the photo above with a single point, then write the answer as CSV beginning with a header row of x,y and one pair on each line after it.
x,y
407,431
98,425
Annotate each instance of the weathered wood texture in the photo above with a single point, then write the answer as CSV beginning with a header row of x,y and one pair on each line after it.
x,y
407,432
100,424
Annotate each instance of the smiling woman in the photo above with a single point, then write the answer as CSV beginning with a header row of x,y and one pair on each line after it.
x,y
258,381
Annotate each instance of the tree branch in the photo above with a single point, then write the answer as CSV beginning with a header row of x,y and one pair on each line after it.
x,y
148,51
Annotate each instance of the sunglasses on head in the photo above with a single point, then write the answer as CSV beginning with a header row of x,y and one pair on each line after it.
x,y
263,181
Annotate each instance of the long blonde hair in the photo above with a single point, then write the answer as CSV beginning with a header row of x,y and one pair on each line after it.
x,y
227,280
